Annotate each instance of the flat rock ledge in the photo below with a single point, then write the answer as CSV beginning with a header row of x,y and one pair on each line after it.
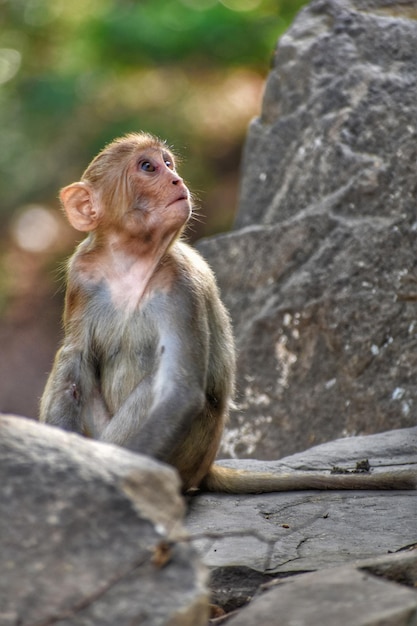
x,y
313,543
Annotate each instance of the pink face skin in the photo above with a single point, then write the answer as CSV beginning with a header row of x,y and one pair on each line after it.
x,y
159,186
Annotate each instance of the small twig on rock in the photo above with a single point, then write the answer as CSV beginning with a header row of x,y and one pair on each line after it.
x,y
362,467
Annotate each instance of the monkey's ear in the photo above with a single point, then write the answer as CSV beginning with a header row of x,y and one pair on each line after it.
x,y
80,206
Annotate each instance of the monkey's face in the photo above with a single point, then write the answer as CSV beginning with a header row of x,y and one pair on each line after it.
x,y
158,198
132,190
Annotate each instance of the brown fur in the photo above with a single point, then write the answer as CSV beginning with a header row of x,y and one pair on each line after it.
x,y
148,359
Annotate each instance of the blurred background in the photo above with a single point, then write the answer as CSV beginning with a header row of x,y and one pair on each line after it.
x,y
73,76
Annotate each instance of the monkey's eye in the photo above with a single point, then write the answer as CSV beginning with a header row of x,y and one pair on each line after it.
x,y
147,166
169,164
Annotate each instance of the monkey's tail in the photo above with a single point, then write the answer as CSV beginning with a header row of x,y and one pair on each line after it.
x,y
230,480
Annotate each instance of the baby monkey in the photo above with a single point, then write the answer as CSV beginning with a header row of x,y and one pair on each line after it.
x,y
148,359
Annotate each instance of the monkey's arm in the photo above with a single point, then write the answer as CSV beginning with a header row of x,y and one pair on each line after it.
x,y
62,400
177,389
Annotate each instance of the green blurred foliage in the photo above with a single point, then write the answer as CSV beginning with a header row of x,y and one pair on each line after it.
x,y
73,75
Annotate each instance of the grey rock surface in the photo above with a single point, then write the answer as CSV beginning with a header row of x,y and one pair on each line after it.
x,y
346,596
84,528
305,550
302,531
320,272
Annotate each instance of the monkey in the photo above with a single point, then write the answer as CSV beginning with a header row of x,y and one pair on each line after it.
x,y
148,359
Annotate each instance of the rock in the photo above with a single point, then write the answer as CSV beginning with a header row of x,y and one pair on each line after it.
x,y
87,535
252,542
90,534
301,531
233,587
343,596
319,273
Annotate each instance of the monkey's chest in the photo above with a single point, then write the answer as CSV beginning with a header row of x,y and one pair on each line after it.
x,y
126,358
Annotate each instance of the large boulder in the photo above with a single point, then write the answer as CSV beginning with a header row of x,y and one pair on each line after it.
x,y
88,535
319,273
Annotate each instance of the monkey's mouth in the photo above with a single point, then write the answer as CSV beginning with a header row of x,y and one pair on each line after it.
x,y
183,196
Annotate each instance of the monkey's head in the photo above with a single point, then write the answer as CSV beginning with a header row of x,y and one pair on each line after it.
x,y
130,188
